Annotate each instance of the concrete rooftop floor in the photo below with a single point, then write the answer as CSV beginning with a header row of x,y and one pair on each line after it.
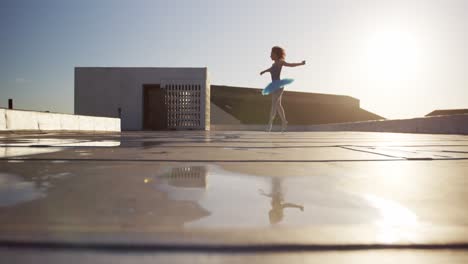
x,y
221,196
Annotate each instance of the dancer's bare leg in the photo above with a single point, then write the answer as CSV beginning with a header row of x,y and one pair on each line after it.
x,y
281,113
274,106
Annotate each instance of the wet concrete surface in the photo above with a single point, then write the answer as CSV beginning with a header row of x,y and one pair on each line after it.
x,y
235,190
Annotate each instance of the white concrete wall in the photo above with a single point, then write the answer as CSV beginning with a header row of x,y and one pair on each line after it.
x,y
100,91
18,120
207,102
2,119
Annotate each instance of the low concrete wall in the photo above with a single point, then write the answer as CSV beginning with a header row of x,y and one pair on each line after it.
x,y
455,124
19,120
2,119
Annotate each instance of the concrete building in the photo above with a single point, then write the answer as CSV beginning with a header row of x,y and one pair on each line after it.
x,y
448,112
145,98
182,98
251,108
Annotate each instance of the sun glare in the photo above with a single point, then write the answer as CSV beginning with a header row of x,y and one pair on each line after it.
x,y
392,55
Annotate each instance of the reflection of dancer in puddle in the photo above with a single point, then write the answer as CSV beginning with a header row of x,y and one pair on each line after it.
x,y
277,206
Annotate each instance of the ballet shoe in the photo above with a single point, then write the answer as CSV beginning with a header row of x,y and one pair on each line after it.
x,y
284,126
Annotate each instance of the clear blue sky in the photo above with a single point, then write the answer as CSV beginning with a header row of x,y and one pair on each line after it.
x,y
400,58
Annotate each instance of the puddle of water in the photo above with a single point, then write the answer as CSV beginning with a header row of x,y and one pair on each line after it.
x,y
213,197
392,217
237,200
236,148
59,161
52,142
231,136
60,175
140,144
44,146
14,190
103,143
8,152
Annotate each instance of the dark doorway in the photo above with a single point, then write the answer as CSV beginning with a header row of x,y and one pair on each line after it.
x,y
154,108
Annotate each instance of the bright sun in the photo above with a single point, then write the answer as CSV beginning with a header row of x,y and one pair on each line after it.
x,y
392,56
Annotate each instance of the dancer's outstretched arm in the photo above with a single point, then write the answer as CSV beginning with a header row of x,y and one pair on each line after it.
x,y
262,192
294,64
291,205
267,70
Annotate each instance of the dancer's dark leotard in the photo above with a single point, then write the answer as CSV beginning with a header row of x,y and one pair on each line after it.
x,y
275,71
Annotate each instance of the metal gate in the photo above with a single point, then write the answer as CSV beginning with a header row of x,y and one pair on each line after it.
x,y
186,104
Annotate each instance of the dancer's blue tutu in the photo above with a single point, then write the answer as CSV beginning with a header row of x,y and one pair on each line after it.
x,y
275,85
